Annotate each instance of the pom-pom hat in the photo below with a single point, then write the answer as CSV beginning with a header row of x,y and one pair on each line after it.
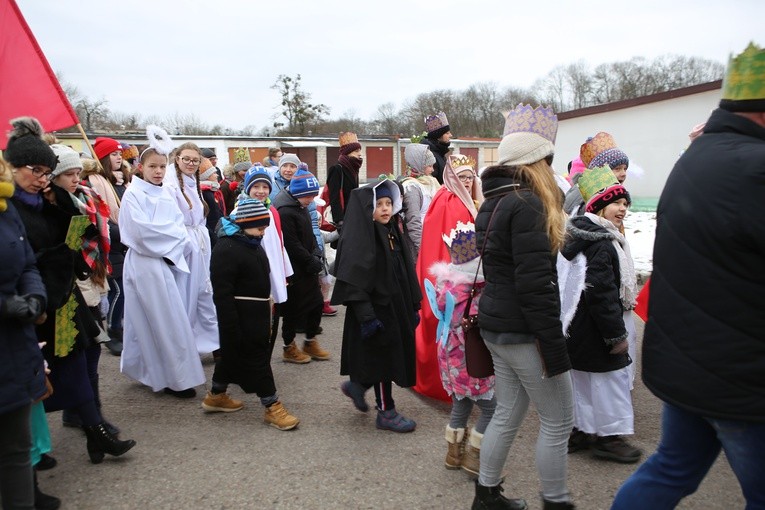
x,y
349,142
529,135
743,88
250,213
303,184
26,146
599,187
105,146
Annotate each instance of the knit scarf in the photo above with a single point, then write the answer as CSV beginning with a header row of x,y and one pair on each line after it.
x,y
119,177
94,247
33,200
6,192
351,164
628,285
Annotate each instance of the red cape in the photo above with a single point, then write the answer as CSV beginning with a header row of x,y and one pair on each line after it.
x,y
444,212
642,301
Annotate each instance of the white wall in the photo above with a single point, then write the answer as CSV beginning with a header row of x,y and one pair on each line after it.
x,y
653,136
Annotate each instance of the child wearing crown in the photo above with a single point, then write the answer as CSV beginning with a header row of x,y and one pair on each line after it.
x,y
456,202
377,283
448,299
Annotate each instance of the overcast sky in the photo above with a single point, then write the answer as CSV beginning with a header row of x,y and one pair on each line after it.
x,y
218,59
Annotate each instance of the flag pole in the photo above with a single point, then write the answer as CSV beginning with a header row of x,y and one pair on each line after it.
x,y
90,147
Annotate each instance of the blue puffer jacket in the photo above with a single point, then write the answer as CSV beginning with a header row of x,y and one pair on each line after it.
x,y
22,377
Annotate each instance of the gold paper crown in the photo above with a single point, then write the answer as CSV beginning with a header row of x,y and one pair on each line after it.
x,y
433,122
461,160
595,145
241,155
595,179
745,76
461,243
525,119
348,138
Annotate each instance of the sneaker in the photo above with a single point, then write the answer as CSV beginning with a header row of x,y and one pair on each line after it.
x,y
278,417
187,393
391,420
579,440
615,448
314,350
220,403
355,392
328,311
293,354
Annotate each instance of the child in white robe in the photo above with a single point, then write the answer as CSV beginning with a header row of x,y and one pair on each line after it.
x,y
195,285
159,348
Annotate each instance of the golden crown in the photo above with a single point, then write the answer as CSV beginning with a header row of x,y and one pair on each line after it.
x,y
461,160
433,122
348,138
525,119
461,243
745,76
595,145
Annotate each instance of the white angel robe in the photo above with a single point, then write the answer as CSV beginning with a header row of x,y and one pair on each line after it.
x,y
159,349
195,285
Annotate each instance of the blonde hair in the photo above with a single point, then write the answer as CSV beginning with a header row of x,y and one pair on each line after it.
x,y
539,176
5,171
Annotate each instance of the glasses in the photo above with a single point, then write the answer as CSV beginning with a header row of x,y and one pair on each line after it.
x,y
466,178
39,171
192,162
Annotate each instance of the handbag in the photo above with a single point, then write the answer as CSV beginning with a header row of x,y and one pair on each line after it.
x,y
325,212
478,360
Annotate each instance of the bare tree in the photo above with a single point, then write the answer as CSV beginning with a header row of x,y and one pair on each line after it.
x,y
92,113
296,107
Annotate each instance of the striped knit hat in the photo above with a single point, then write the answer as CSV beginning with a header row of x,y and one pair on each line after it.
x,y
250,213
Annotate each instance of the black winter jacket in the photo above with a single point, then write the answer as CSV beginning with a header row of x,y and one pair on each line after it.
x,y
704,343
598,323
340,180
299,241
521,293
440,151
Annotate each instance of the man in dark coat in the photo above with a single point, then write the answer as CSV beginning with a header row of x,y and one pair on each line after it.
x,y
438,140
704,343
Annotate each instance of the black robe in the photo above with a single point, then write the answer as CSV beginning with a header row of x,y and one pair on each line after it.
x,y
376,279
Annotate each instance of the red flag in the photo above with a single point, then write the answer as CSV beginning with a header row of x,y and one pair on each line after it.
x,y
28,85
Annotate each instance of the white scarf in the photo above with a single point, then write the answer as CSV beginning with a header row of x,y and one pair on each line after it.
x,y
628,285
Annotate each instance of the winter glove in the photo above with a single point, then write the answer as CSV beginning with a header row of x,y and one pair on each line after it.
x,y
24,308
416,318
315,265
370,327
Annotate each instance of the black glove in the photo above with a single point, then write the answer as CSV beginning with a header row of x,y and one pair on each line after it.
x,y
370,327
24,308
416,318
315,265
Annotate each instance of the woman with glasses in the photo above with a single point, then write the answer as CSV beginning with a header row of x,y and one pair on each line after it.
x,y
50,217
456,202
196,289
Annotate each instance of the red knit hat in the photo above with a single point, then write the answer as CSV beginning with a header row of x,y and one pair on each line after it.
x,y
105,146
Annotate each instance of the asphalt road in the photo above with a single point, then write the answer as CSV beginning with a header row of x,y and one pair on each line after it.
x,y
335,458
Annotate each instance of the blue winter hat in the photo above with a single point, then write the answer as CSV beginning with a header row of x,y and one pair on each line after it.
x,y
303,184
255,174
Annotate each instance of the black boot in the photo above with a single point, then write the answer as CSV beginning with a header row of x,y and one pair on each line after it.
x,y
491,498
115,342
44,501
564,505
100,441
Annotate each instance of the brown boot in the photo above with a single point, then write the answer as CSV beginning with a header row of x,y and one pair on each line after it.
x,y
471,461
314,350
277,416
454,437
293,354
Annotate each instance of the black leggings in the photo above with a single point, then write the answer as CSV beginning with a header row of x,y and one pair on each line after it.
x,y
383,395
16,482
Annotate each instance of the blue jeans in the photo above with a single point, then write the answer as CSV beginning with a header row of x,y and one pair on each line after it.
x,y
689,446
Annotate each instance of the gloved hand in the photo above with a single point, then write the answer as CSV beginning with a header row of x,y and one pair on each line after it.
x,y
315,265
25,308
370,327
416,318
